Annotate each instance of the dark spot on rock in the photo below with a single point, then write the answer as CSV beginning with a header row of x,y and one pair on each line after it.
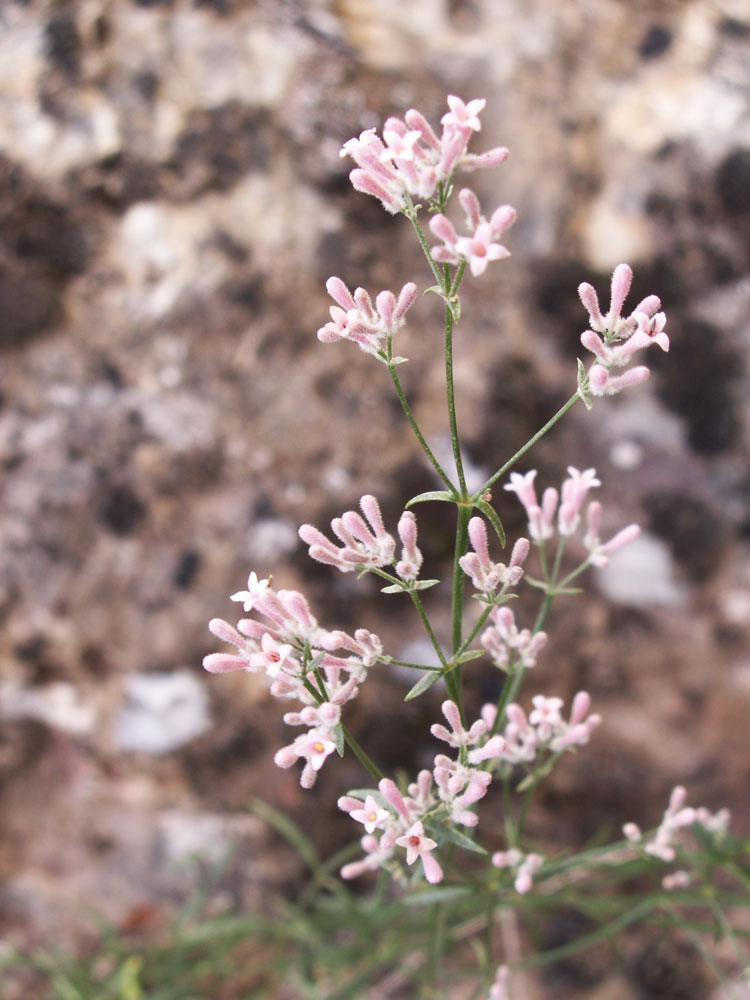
x,y
464,14
734,28
146,84
111,373
29,307
222,7
248,294
231,247
102,30
121,509
45,234
187,566
656,40
121,180
695,532
670,968
219,146
699,384
94,661
555,291
661,206
62,44
37,653
518,403
733,182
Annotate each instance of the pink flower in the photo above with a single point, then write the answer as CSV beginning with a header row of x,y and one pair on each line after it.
x,y
613,338
463,116
479,248
255,590
419,846
314,746
370,814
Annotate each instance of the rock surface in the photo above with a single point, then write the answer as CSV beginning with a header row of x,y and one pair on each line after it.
x,y
171,203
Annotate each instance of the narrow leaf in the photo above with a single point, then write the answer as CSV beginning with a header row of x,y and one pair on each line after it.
x,y
423,684
441,831
432,495
469,654
583,385
424,584
393,588
491,514
440,894
338,736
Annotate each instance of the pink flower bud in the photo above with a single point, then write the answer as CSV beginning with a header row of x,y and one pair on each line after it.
x,y
621,279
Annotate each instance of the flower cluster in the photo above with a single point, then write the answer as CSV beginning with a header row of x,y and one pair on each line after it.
x,y
397,817
511,648
318,668
481,246
524,867
485,575
366,544
449,791
677,817
544,729
565,507
355,318
613,339
410,161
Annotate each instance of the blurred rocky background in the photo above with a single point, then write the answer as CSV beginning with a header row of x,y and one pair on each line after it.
x,y
171,203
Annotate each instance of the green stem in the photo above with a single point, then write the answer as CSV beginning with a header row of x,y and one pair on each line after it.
x,y
450,395
361,756
428,628
529,444
414,426
411,215
475,630
453,677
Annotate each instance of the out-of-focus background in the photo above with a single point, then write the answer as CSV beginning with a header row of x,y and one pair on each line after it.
x,y
171,203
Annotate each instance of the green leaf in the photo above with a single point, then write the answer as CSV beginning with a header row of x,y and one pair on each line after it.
x,y
469,654
491,514
423,684
454,305
583,385
432,495
394,588
437,289
439,894
338,737
424,584
290,831
441,832
315,662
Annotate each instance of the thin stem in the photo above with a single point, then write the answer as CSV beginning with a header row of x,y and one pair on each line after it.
x,y
428,628
414,426
361,756
411,214
475,630
453,677
529,444
450,395
417,601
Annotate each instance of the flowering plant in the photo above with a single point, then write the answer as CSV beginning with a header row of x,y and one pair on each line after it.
x,y
423,829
